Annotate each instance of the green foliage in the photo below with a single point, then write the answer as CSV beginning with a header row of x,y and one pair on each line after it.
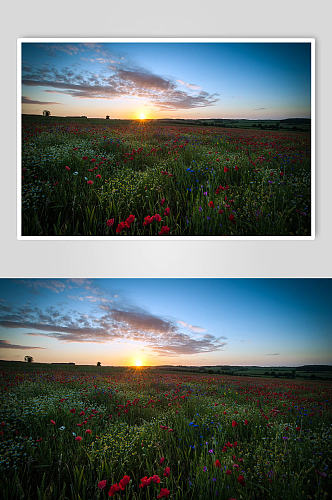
x,y
77,175
274,433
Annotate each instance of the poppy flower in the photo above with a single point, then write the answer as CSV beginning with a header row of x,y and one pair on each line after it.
x,y
167,471
102,484
130,219
217,464
98,176
164,492
145,481
167,211
110,222
157,217
241,480
113,489
123,482
162,201
162,460
211,204
155,478
90,183
88,431
234,423
226,169
67,168
78,438
52,422
164,230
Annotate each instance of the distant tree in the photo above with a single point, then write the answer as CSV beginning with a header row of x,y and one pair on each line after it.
x,y
28,359
98,363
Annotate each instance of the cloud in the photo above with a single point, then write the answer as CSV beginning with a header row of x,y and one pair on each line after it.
x,y
4,344
196,329
118,82
108,323
189,85
27,100
259,109
273,354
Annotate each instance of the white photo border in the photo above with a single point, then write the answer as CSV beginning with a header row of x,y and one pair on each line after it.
x,y
20,41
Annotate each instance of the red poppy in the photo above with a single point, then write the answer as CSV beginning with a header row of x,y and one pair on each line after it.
x,y
98,176
78,438
164,230
157,217
155,478
234,423
145,481
52,422
162,201
226,169
90,183
123,482
164,492
241,480
67,168
130,219
167,471
217,464
211,204
102,484
110,222
167,211
88,431
113,489
162,460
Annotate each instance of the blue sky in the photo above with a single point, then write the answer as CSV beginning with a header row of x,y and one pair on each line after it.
x,y
267,322
185,80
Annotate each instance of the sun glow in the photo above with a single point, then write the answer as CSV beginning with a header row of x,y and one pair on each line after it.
x,y
142,116
138,362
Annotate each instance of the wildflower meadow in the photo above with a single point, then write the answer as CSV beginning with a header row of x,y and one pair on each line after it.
x,y
145,178
139,433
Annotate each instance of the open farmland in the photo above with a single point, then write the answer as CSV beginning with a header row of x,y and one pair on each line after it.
x,y
83,177
89,433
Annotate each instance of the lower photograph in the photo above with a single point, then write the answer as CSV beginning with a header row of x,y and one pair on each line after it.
x,y
165,388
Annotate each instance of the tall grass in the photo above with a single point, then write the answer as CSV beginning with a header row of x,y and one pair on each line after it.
x,y
78,176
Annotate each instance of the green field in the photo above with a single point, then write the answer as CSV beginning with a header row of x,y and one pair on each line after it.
x,y
94,177
71,432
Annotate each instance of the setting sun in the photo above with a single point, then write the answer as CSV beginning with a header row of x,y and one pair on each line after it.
x,y
138,362
142,116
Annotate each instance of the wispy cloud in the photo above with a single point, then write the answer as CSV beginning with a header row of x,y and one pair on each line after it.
x,y
189,85
273,354
118,82
27,100
5,344
196,329
107,324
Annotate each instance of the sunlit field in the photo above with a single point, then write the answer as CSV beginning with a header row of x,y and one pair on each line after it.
x,y
136,433
144,178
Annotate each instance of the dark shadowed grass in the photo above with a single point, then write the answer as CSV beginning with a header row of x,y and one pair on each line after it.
x,y
221,436
79,175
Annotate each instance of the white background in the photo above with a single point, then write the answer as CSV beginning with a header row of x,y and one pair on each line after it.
x,y
102,18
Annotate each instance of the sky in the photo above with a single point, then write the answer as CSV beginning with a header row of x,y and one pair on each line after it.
x,y
167,80
126,322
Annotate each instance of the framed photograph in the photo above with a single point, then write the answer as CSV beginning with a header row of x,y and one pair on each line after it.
x,y
179,138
